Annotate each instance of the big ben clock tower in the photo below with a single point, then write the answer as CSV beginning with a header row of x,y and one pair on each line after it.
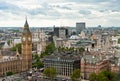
x,y
26,47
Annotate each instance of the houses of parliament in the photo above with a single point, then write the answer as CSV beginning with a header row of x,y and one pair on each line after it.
x,y
13,61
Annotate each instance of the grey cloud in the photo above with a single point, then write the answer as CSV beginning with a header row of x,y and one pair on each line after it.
x,y
46,6
111,5
103,10
85,12
49,13
72,9
62,7
65,7
11,8
114,6
87,1
5,6
37,11
115,10
106,10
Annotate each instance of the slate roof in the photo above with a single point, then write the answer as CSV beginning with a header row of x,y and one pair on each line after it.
x,y
6,46
65,56
8,53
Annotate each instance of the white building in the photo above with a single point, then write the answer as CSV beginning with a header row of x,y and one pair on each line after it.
x,y
39,41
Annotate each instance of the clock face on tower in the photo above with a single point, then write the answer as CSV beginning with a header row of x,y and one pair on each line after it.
x,y
23,39
29,38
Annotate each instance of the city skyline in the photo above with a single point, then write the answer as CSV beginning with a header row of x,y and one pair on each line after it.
x,y
59,12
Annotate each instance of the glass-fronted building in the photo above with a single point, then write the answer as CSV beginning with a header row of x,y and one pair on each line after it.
x,y
64,63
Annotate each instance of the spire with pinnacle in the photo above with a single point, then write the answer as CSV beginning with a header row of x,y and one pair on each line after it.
x,y
17,52
26,24
26,27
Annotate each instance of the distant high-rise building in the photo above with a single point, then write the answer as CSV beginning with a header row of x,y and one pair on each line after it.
x,y
61,32
80,26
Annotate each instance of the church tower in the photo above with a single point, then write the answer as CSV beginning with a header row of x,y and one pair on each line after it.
x,y
26,48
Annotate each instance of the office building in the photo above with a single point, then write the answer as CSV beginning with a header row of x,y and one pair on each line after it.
x,y
80,26
63,62
61,32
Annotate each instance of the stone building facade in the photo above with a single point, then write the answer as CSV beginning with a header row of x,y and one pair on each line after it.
x,y
13,61
39,41
93,64
64,62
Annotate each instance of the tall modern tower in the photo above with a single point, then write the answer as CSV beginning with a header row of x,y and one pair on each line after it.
x,y
61,32
80,26
26,47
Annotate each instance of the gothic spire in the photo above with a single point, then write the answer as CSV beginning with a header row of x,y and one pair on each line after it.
x,y
26,28
17,52
26,24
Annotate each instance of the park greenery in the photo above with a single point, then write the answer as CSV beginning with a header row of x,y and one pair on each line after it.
x,y
60,49
8,42
105,76
9,73
50,48
117,76
75,75
119,41
37,64
17,46
71,49
50,73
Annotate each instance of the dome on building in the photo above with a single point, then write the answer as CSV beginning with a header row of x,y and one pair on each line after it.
x,y
73,37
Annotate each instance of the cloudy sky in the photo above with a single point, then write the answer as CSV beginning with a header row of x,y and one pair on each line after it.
x,y
59,12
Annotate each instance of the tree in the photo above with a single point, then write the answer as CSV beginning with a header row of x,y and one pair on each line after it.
x,y
59,49
119,41
109,75
8,42
81,49
93,77
117,77
17,46
37,62
43,54
50,72
9,73
75,76
50,48
71,49
38,65
97,77
36,57
103,76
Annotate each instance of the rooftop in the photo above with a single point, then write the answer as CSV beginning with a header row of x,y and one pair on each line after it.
x,y
65,55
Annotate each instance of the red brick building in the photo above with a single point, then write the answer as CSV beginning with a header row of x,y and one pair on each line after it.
x,y
93,64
